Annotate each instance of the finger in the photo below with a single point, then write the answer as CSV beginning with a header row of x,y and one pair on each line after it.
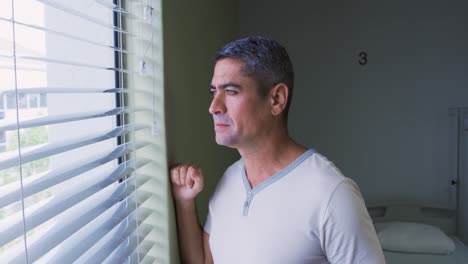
x,y
183,173
198,179
188,179
191,174
175,165
175,176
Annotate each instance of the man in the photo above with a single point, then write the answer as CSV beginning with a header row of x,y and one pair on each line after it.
x,y
280,203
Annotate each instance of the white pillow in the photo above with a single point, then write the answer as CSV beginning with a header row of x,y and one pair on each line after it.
x,y
410,237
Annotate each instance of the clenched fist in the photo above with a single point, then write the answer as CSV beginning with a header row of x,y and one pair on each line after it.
x,y
187,181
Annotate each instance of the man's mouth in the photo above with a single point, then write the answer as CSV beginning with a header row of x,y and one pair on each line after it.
x,y
221,125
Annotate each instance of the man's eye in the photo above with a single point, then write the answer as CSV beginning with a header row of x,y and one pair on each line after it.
x,y
231,92
212,92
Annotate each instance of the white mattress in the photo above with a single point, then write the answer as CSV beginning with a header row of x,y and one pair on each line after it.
x,y
460,256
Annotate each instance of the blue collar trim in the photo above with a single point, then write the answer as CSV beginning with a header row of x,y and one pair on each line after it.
x,y
250,193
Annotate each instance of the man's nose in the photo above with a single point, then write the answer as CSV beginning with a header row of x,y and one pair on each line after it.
x,y
217,105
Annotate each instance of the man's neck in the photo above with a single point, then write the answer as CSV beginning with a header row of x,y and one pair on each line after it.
x,y
269,157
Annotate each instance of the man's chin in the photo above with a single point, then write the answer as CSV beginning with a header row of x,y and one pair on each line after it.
x,y
224,142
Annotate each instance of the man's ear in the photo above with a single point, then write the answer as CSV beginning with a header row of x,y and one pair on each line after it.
x,y
279,98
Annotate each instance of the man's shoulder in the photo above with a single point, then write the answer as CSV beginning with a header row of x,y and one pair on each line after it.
x,y
318,168
230,183
233,172
235,167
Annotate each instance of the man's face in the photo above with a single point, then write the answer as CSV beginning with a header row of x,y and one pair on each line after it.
x,y
240,114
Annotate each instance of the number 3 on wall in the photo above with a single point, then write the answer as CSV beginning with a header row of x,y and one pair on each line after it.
x,y
362,58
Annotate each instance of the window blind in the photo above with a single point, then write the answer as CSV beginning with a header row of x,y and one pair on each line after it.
x,y
82,152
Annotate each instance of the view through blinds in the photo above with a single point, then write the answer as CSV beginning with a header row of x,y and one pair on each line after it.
x,y
79,124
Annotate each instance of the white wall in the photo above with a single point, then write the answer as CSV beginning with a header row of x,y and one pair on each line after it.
x,y
385,124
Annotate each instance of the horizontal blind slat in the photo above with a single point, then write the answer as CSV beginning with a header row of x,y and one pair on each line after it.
x,y
62,252
140,199
32,154
63,34
114,7
57,119
142,251
128,246
107,245
12,193
76,218
111,225
71,63
82,15
150,260
70,90
63,90
64,200
102,202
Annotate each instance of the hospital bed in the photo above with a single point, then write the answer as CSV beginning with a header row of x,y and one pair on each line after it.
x,y
418,234
421,234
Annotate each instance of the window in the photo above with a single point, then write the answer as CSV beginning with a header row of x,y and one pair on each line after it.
x,y
43,100
2,116
10,101
22,101
1,104
2,143
83,155
33,100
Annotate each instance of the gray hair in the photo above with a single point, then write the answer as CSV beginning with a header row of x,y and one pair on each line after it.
x,y
265,60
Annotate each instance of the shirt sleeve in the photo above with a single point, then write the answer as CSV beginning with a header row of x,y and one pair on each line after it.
x,y
347,233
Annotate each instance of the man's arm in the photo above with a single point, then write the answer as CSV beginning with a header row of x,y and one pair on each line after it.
x,y
348,235
206,244
187,182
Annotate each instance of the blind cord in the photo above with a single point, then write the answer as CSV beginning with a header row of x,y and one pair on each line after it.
x,y
132,94
148,15
154,126
18,131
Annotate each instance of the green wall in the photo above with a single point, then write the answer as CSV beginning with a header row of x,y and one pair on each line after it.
x,y
193,31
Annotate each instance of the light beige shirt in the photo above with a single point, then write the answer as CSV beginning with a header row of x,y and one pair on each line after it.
x,y
306,213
